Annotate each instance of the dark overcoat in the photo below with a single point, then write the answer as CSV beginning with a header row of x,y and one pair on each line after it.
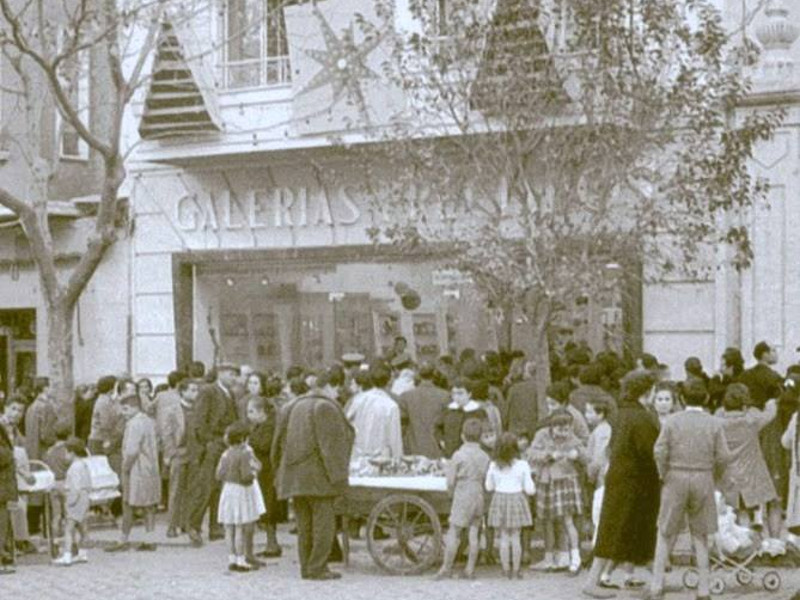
x,y
627,529
311,449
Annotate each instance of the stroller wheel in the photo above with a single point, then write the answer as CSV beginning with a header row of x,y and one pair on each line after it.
x,y
744,577
717,586
771,581
691,579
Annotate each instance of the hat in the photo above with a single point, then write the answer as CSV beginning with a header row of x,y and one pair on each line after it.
x,y
227,366
401,360
353,358
761,349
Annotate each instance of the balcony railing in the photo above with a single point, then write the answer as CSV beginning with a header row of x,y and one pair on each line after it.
x,y
267,71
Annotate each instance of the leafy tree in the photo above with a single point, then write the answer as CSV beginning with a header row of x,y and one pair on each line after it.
x,y
556,137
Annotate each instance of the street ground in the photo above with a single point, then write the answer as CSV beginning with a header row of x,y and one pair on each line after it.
x,y
177,571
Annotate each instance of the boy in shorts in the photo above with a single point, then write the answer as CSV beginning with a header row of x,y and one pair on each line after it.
x,y
689,449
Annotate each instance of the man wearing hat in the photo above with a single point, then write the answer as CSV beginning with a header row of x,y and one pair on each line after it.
x,y
215,410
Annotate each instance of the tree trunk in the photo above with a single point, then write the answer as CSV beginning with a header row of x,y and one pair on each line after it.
x,y
60,319
539,313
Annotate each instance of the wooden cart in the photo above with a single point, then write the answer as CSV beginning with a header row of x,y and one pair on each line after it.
x,y
404,528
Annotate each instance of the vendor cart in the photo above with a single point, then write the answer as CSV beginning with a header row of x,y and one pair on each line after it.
x,y
404,530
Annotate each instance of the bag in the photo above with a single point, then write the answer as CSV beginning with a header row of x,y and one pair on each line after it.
x,y
105,482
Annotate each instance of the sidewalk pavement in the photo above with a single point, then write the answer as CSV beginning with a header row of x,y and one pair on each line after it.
x,y
178,572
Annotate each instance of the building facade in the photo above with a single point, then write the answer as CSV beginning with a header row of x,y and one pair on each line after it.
x,y
252,242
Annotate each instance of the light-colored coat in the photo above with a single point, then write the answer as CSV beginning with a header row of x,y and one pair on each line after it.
x,y
376,418
790,441
141,482
40,428
747,475
169,423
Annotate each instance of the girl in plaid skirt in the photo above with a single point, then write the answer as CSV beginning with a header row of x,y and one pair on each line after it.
x,y
510,480
554,455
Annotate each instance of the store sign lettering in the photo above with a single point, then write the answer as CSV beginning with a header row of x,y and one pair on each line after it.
x,y
280,207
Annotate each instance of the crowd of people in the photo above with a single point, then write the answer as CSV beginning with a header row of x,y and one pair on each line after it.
x,y
615,453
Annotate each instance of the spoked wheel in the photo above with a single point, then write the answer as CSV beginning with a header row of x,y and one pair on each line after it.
x,y
691,579
771,581
404,536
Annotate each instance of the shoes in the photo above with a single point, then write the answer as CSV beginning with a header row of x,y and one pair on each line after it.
x,y
119,547
172,533
270,553
83,557
442,575
143,547
607,584
324,576
545,565
598,593
216,535
65,560
236,568
254,562
25,547
195,539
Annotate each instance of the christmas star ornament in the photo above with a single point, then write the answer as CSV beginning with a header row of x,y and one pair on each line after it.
x,y
343,62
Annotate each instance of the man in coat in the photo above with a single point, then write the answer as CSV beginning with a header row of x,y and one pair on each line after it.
x,y
311,459
521,409
8,493
215,410
419,410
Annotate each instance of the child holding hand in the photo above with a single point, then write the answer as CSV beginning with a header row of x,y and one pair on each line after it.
x,y
509,478
555,454
465,476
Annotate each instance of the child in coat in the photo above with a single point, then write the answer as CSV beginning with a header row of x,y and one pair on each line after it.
x,y
747,483
510,480
555,455
77,484
465,476
240,503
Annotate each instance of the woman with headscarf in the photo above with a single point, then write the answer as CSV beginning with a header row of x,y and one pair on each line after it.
x,y
627,530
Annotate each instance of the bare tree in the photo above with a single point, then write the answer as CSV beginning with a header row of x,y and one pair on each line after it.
x,y
554,137
45,44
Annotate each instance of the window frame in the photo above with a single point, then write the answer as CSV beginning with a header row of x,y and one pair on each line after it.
x,y
83,105
265,62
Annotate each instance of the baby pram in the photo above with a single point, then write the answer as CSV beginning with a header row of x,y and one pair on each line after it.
x,y
105,485
734,550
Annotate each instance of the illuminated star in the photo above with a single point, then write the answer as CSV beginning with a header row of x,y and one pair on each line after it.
x,y
343,62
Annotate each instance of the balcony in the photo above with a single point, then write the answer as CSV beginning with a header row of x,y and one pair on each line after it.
x,y
266,71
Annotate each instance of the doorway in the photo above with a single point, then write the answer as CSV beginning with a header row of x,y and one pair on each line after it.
x,y
17,349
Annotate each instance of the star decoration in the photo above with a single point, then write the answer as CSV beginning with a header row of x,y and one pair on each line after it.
x,y
343,63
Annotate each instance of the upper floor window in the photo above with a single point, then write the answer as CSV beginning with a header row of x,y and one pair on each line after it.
x,y
255,52
74,74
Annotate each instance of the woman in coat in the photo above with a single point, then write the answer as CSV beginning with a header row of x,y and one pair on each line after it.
x,y
8,493
627,528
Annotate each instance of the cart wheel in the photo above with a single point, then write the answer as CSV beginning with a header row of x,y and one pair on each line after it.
x,y
412,535
717,586
691,579
744,576
771,581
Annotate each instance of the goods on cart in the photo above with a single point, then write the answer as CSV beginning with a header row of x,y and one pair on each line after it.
x,y
406,466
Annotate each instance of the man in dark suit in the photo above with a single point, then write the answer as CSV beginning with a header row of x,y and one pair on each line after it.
x,y
311,459
419,410
215,410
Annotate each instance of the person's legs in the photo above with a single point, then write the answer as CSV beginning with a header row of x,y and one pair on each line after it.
x,y
549,544
238,546
249,543
775,519
663,544
450,548
474,549
574,543
701,556
272,537
516,551
323,532
230,542
303,520
127,522
592,588
173,502
505,551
